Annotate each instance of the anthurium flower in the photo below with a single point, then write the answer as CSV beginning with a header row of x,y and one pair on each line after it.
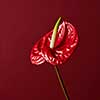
x,y
66,41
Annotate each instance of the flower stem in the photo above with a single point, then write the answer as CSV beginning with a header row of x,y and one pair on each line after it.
x,y
61,82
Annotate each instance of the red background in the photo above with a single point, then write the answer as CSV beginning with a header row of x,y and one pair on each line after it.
x,y
22,23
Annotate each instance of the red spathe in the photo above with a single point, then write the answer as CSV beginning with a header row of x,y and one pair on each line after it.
x,y
66,42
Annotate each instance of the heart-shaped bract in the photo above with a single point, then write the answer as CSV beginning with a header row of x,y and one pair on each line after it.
x,y
66,41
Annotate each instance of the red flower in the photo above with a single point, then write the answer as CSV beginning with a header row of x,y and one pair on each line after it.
x,y
66,41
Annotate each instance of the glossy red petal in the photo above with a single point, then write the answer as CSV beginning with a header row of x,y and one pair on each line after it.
x,y
66,41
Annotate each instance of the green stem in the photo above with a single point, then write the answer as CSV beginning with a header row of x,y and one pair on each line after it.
x,y
61,83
